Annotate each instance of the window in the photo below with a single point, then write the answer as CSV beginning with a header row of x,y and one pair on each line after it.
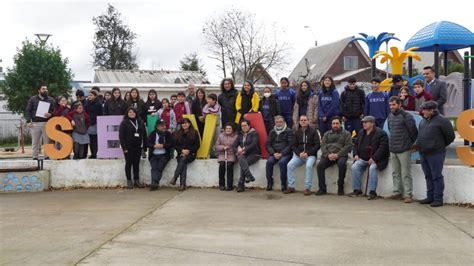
x,y
351,62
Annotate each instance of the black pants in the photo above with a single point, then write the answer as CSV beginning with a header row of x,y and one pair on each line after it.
x,y
325,163
244,162
158,164
230,174
92,145
182,167
132,159
79,150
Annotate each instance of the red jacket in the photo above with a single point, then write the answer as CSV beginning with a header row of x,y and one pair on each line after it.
x,y
180,109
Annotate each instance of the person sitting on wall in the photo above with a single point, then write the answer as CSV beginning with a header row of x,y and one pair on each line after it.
x,y
248,152
370,150
335,147
160,144
278,146
305,148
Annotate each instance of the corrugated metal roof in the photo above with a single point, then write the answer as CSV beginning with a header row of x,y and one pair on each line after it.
x,y
320,59
149,76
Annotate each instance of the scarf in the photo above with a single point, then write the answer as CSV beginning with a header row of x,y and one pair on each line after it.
x,y
279,130
302,99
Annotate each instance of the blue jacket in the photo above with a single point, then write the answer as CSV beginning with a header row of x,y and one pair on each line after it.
x,y
376,105
286,100
328,104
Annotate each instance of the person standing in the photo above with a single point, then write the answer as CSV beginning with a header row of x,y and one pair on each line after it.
x,y
306,104
152,105
227,101
246,102
133,140
335,147
421,95
305,147
137,103
286,99
197,106
370,150
191,89
115,105
248,152
226,157
37,121
403,133
93,108
269,107
437,88
435,133
167,114
187,145
278,146
160,143
376,104
328,105
407,100
352,104
80,122
182,107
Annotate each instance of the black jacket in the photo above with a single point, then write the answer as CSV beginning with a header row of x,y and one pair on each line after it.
x,y
32,105
434,134
139,106
166,138
280,143
352,102
403,131
379,144
227,102
273,104
250,143
127,131
306,141
187,143
115,107
94,109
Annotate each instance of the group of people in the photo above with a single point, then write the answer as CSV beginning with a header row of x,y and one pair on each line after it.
x,y
299,124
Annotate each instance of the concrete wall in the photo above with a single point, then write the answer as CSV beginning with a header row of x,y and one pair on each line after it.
x,y
459,180
32,181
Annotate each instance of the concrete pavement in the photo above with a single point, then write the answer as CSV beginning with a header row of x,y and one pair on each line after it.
x,y
207,226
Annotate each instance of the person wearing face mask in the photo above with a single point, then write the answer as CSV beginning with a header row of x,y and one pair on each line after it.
x,y
36,122
269,107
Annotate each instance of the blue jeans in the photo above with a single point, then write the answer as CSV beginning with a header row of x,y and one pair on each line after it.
x,y
432,166
358,169
283,163
297,161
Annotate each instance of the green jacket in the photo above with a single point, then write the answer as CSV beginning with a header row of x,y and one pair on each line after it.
x,y
339,142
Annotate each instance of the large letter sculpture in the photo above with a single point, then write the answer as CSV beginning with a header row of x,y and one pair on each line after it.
x,y
108,136
57,135
465,128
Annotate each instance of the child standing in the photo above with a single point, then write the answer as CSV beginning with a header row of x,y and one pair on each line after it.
x,y
80,122
377,103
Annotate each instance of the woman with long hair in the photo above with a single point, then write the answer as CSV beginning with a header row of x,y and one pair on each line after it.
x,y
248,152
137,103
328,105
133,140
115,105
196,109
306,104
227,101
187,144
153,104
247,101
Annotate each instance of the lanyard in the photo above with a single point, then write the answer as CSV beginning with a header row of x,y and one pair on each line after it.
x,y
135,125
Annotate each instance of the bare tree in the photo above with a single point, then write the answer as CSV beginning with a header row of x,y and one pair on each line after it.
x,y
241,44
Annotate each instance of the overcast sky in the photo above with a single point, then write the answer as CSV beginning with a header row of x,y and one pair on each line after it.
x,y
169,29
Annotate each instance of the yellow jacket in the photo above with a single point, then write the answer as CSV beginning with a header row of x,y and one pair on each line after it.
x,y
238,105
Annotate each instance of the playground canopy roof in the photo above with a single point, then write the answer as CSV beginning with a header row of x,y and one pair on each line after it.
x,y
448,35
